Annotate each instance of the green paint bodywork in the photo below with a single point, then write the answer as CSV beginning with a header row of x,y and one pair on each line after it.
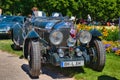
x,y
32,34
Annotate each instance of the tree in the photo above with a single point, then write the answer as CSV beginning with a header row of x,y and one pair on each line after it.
x,y
98,9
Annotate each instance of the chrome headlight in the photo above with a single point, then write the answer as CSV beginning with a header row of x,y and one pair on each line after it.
x,y
56,37
78,52
71,41
85,37
60,52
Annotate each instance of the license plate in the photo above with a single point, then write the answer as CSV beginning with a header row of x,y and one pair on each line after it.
x,y
72,63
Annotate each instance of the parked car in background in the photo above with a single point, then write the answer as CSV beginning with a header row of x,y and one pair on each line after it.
x,y
1,17
9,22
54,40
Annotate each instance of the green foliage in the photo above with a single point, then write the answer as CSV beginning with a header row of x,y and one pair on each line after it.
x,y
98,9
112,35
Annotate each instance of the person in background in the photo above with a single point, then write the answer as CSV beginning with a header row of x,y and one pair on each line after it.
x,y
33,15
0,11
89,19
0,14
73,18
19,14
34,9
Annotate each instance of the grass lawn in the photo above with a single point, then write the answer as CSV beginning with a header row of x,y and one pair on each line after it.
x,y
5,45
111,70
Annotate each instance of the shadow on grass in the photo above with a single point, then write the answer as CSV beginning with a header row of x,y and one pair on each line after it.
x,y
21,57
67,71
15,48
56,72
106,77
4,37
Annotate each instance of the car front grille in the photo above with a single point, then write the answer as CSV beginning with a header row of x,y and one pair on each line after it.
x,y
45,35
66,33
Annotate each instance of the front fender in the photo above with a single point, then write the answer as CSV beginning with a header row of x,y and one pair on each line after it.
x,y
95,33
32,34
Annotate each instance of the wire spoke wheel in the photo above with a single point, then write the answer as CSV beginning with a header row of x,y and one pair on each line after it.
x,y
97,60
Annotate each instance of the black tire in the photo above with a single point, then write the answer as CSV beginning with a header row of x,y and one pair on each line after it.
x,y
25,49
97,55
34,58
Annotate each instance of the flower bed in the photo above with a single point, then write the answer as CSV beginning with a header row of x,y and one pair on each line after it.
x,y
112,46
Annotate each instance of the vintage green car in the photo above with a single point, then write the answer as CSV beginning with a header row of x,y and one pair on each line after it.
x,y
55,40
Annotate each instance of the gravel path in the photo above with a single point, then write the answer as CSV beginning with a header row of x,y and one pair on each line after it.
x,y
13,68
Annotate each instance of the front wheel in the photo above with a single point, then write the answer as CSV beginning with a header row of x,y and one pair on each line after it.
x,y
97,55
34,58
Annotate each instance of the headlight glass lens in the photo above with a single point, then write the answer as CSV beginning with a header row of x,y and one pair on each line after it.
x,y
60,52
56,37
78,52
85,37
